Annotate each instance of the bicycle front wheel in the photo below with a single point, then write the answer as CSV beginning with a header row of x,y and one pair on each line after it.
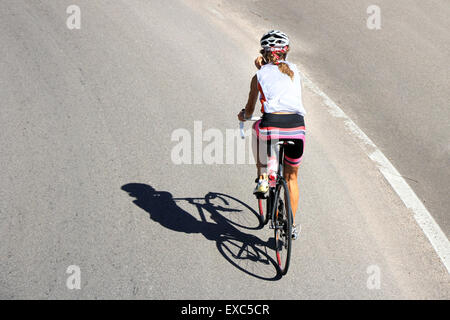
x,y
282,227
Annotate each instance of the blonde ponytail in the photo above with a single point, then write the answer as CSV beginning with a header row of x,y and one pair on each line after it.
x,y
284,68
270,57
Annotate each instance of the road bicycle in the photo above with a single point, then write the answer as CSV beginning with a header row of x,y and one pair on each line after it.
x,y
275,207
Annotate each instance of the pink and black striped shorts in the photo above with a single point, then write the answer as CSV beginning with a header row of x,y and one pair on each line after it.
x,y
279,127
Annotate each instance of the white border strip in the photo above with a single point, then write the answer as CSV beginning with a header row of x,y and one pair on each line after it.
x,y
426,222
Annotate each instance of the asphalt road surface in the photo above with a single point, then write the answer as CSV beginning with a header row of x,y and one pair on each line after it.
x,y
92,120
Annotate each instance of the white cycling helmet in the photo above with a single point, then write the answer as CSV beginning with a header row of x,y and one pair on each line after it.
x,y
274,40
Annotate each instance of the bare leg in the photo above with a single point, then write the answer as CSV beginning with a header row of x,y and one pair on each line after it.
x,y
259,154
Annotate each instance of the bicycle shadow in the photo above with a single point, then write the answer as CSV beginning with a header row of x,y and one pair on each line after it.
x,y
245,251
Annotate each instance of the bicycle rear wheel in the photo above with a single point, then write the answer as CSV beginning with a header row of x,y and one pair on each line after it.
x,y
282,227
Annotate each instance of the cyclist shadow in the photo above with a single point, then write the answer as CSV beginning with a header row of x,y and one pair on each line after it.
x,y
243,250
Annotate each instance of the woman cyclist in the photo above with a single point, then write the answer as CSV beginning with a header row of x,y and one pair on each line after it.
x,y
279,86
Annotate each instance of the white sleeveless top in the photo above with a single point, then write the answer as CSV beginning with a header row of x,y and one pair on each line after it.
x,y
279,92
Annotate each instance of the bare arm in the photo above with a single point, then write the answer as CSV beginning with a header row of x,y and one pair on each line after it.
x,y
251,102
252,97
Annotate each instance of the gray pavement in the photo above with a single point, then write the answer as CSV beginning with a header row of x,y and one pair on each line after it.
x,y
88,179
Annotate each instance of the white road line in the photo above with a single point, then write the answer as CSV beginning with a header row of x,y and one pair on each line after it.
x,y
424,219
